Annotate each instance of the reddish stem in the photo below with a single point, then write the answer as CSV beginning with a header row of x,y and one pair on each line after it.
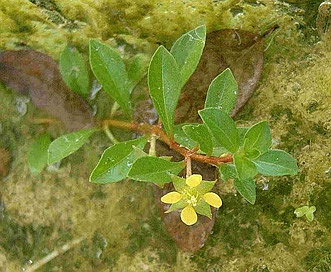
x,y
158,131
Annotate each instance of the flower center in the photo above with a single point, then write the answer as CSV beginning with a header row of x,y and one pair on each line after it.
x,y
191,198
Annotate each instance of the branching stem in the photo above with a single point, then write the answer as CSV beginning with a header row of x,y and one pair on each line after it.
x,y
157,130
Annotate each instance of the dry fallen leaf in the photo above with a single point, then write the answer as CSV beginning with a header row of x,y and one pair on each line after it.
x,y
35,74
241,51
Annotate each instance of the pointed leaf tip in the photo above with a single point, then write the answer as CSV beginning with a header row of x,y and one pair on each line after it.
x,y
109,69
164,86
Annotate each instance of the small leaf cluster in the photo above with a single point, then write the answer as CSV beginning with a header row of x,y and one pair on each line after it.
x,y
252,155
167,73
307,211
216,136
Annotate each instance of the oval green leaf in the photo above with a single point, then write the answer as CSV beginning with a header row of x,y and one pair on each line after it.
x,y
246,188
181,137
245,168
258,137
154,169
222,92
276,163
68,144
227,171
164,86
310,213
187,51
115,162
38,154
74,72
109,69
201,135
222,128
137,69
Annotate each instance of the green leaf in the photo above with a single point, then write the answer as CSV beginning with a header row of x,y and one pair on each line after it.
x,y
137,69
218,151
244,167
200,134
181,138
242,131
115,162
205,186
227,171
109,69
276,163
177,206
310,213
307,211
164,86
222,128
252,154
222,92
178,182
38,154
68,144
203,208
187,51
246,188
301,211
74,72
258,137
154,169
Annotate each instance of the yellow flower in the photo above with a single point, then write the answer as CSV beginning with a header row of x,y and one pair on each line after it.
x,y
193,196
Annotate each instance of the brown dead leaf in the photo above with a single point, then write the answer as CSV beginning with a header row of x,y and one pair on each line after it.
x,y
35,74
241,51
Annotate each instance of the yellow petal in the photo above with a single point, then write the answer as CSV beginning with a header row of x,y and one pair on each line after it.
x,y
194,180
188,215
213,199
171,197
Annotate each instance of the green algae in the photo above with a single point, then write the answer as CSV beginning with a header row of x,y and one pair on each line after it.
x,y
120,223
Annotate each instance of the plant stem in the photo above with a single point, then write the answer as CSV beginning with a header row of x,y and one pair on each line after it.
x,y
152,150
53,255
110,135
156,130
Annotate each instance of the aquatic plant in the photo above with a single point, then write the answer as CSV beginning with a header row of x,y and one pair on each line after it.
x,y
306,211
239,153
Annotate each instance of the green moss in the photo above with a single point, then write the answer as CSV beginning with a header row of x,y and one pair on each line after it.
x,y
318,260
239,232
323,206
156,21
30,241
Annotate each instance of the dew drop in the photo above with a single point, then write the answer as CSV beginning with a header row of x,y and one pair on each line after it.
x,y
129,164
